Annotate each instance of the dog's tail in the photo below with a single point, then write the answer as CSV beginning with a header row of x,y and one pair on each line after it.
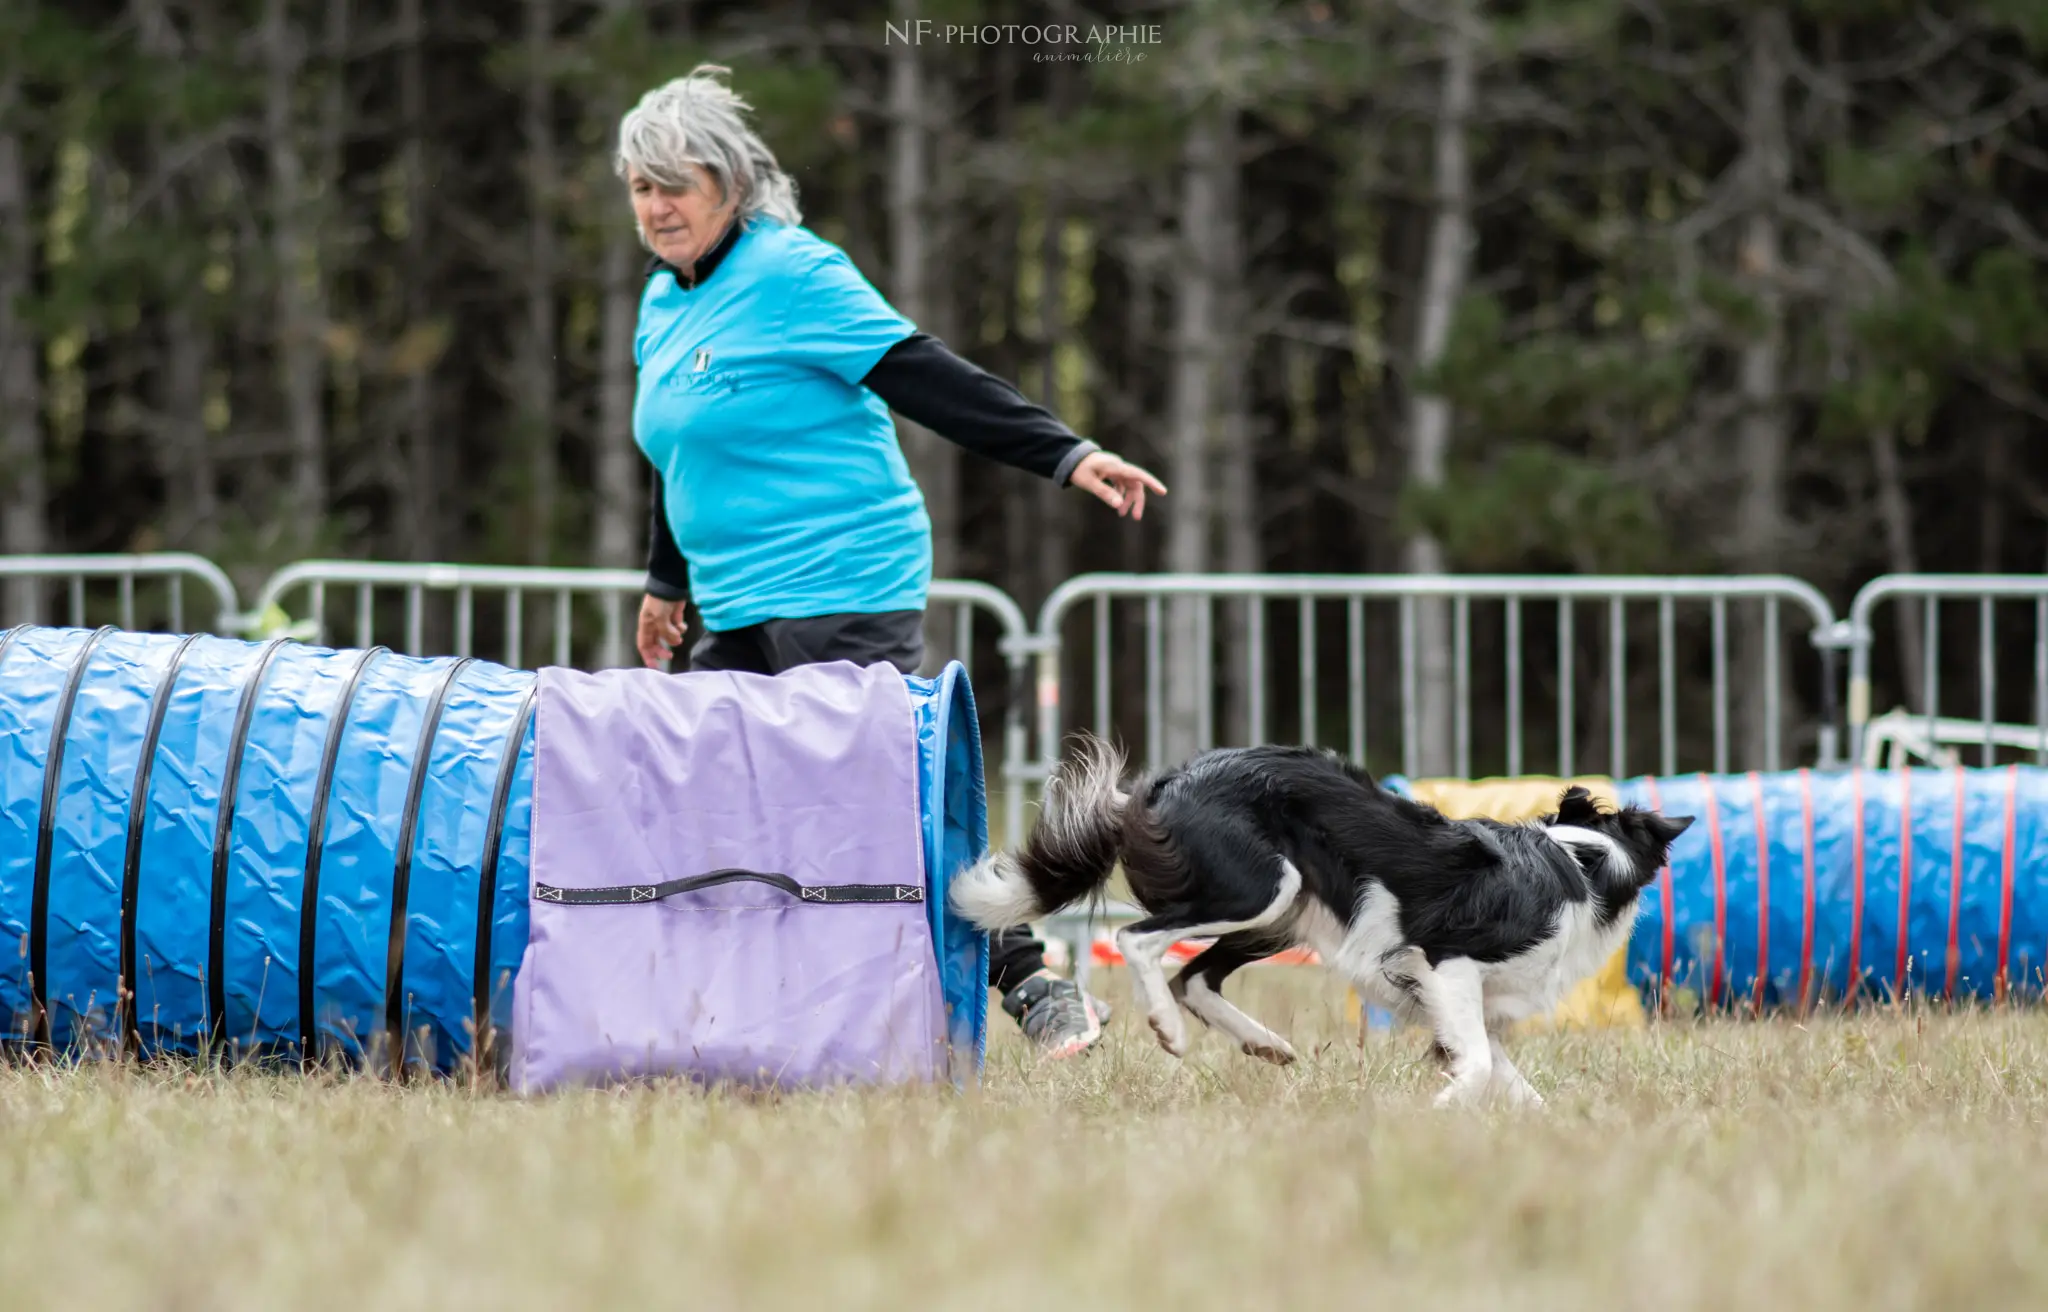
x,y
1069,855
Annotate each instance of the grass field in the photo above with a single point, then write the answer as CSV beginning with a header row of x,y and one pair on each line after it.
x,y
1890,1160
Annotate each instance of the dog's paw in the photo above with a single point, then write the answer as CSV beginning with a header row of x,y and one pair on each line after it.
x,y
1460,1094
1279,1051
1172,1034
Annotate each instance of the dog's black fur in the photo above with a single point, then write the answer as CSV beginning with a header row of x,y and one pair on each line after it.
x,y
1209,850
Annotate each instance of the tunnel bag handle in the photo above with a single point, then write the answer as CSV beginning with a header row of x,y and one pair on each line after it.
x,y
828,894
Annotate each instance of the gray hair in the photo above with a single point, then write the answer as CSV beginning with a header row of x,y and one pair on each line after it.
x,y
700,120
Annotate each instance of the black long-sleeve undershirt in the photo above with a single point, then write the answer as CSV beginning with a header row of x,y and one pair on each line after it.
x,y
925,382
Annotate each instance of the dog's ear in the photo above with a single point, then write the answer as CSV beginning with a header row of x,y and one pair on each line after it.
x,y
1669,827
1577,807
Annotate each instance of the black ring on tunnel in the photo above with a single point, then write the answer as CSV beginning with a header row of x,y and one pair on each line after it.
x,y
401,875
46,840
316,847
223,827
494,842
131,860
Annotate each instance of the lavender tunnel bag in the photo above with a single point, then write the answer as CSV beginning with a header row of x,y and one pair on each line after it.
x,y
805,957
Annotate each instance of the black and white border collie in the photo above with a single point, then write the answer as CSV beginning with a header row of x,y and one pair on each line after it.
x,y
1461,925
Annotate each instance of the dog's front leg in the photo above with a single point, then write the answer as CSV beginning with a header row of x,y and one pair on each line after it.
x,y
1508,1082
1453,1000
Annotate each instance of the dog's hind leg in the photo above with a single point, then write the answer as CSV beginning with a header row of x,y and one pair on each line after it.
x,y
1199,987
1453,1000
1144,944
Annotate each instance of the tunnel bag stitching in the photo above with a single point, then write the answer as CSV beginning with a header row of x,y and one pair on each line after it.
x,y
821,894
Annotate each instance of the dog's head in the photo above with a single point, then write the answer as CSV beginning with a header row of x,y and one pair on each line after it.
x,y
1636,838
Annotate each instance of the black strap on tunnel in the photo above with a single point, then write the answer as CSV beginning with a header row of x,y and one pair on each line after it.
x,y
223,828
316,846
138,813
494,843
823,894
46,840
401,876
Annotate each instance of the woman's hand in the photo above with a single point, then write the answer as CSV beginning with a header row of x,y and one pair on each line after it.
x,y
1119,483
661,629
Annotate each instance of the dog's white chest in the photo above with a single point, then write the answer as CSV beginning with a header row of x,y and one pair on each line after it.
x,y
1534,982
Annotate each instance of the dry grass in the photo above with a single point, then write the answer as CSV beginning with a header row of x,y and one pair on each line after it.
x,y
1885,1161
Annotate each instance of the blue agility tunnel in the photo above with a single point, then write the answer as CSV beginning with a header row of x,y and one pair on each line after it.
x,y
1798,886
273,849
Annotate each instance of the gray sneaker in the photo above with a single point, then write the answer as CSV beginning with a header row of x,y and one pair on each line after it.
x,y
1056,1015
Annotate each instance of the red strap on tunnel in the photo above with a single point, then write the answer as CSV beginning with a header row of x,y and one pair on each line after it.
x,y
1856,892
1806,910
1665,894
2005,855
1905,876
1955,895
1763,889
1720,891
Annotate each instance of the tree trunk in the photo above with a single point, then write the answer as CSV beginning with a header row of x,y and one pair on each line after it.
x,y
620,511
1052,549
1446,267
1896,513
186,451
183,452
1237,486
1763,432
326,233
1997,470
1191,410
24,491
934,462
295,254
419,485
619,517
537,367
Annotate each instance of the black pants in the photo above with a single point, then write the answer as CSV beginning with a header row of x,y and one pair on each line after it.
x,y
897,637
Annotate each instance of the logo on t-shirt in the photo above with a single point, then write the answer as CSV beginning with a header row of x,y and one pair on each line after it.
x,y
703,360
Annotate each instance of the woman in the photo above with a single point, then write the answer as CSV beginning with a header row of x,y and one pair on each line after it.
x,y
768,367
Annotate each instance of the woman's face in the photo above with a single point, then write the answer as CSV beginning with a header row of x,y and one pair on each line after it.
x,y
679,223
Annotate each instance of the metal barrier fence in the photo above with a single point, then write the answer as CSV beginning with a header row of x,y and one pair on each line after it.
x,y
457,609
1653,647
1557,603
2020,720
148,590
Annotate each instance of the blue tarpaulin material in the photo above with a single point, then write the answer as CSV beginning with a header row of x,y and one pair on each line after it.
x,y
1798,885
224,833
1792,885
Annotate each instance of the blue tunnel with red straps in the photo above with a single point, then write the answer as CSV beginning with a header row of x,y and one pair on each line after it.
x,y
1802,886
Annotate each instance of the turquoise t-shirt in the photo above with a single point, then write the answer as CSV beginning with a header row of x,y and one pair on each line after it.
x,y
785,486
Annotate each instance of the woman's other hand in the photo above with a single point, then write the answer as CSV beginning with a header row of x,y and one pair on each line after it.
x,y
1120,484
661,629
